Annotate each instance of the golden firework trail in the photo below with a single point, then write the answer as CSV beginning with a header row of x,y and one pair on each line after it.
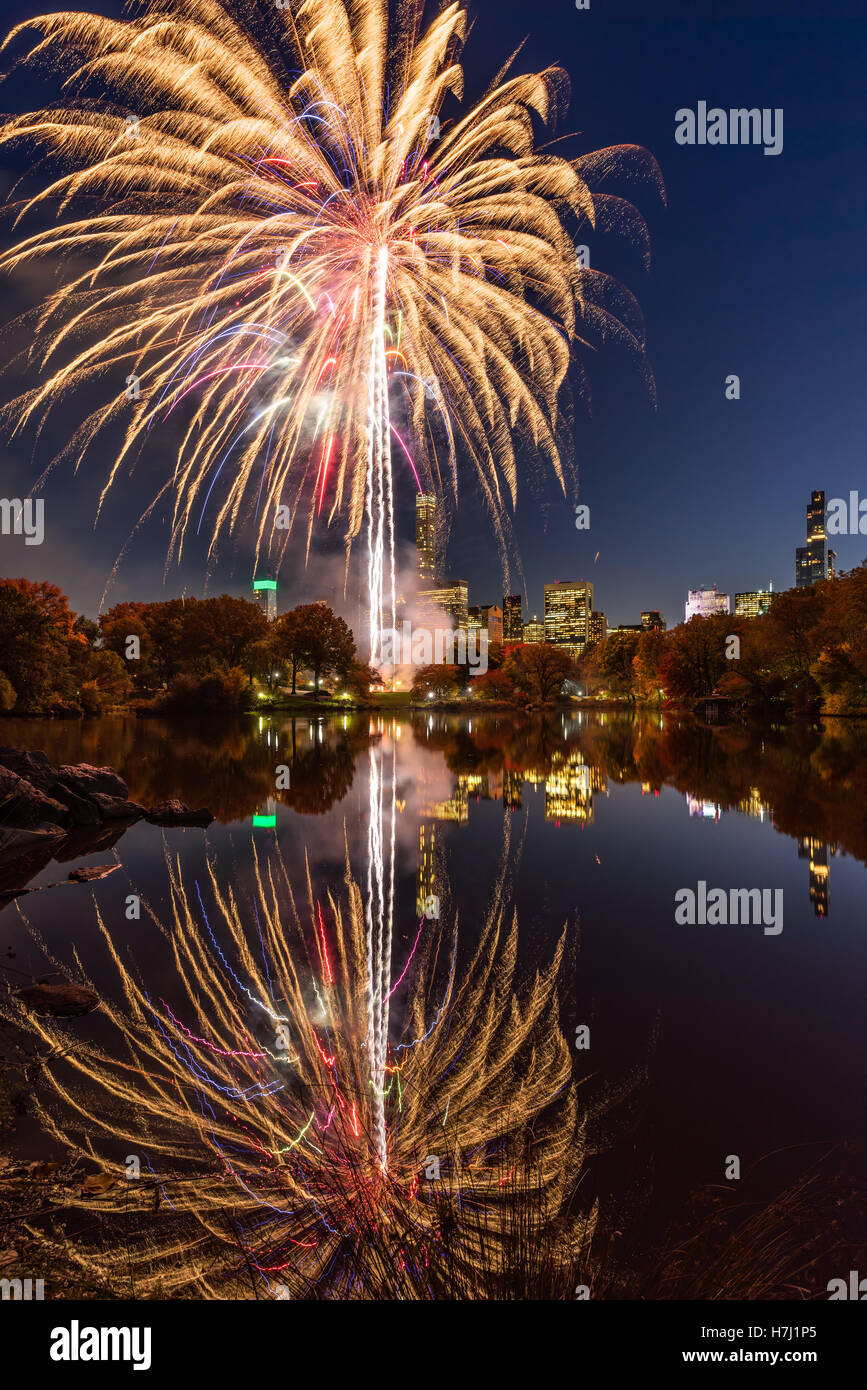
x,y
271,234
244,1086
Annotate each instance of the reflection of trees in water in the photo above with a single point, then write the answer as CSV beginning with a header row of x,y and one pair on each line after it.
x,y
812,778
259,1163
224,764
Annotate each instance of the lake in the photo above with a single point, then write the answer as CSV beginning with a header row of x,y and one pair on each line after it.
x,y
502,889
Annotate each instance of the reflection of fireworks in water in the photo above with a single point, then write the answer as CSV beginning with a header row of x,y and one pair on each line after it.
x,y
283,233
304,1161
380,921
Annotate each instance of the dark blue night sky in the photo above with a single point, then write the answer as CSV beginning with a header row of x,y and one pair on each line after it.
x,y
757,269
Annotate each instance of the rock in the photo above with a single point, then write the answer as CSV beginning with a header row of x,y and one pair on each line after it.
x,y
88,873
176,813
85,779
59,1001
33,766
23,806
115,808
82,810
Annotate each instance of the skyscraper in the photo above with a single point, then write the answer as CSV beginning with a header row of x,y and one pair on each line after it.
x,y
534,631
568,605
810,559
754,603
513,618
425,535
265,591
706,603
652,620
492,619
597,628
450,596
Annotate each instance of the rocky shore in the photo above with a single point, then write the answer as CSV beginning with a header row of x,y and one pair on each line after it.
x,y
64,812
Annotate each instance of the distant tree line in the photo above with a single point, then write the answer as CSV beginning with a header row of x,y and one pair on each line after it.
x,y
807,653
177,654
532,674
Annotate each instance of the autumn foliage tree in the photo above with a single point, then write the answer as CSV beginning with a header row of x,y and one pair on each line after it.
x,y
539,671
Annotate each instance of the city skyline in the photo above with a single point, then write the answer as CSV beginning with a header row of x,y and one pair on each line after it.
x,y
711,308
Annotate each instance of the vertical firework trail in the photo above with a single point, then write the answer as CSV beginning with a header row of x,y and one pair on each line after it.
x,y
381,606
380,506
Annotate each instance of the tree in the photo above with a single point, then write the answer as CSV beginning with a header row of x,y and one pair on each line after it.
x,y
33,641
103,680
539,670
53,604
359,679
436,682
494,685
86,628
646,662
313,636
694,658
289,642
161,630
219,632
616,655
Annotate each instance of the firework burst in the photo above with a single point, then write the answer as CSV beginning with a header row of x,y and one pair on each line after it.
x,y
291,246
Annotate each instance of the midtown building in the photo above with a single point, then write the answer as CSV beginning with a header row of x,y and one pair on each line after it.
x,y
568,605
425,535
513,618
811,563
265,592
492,619
706,603
597,628
652,620
754,603
534,631
451,597
487,617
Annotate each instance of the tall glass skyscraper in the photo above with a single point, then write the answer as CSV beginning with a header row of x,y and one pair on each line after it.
x,y
426,535
513,618
568,605
810,560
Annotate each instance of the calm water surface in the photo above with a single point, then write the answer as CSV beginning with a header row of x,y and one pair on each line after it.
x,y
705,1041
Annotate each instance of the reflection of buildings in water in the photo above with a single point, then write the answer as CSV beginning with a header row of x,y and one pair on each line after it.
x,y
470,786
570,785
513,790
426,875
650,789
817,851
753,806
569,788
265,814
